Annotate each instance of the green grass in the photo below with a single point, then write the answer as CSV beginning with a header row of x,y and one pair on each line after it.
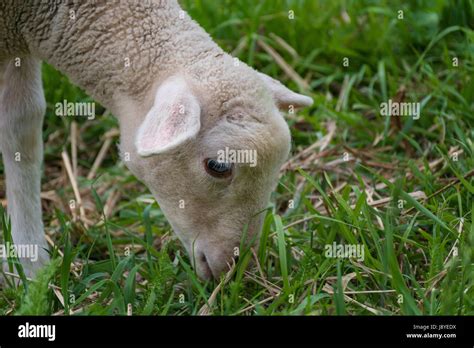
x,y
130,256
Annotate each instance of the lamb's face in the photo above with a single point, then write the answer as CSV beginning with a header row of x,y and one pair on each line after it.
x,y
212,182
217,187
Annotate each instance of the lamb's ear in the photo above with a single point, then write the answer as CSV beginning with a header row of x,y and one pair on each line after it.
x,y
173,119
283,96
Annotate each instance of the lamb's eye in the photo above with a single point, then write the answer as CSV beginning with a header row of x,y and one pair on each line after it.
x,y
218,169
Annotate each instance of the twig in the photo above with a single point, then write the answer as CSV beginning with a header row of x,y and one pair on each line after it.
x,y
75,188
206,308
100,157
302,84
74,147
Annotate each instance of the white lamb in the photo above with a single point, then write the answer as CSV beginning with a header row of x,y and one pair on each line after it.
x,y
179,99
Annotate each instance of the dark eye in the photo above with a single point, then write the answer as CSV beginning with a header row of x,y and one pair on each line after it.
x,y
218,169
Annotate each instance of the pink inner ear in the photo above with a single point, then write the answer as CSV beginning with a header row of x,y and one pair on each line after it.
x,y
176,127
174,118
172,125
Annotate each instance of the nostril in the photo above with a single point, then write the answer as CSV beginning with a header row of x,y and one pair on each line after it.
x,y
205,267
214,267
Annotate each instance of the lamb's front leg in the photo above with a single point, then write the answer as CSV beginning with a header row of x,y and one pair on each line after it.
x,y
22,107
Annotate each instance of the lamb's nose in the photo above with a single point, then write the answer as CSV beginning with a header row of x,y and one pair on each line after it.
x,y
212,261
202,267
209,265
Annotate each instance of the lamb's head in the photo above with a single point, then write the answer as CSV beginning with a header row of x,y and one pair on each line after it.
x,y
212,158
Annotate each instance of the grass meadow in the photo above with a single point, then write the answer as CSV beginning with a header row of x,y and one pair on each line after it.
x,y
399,188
